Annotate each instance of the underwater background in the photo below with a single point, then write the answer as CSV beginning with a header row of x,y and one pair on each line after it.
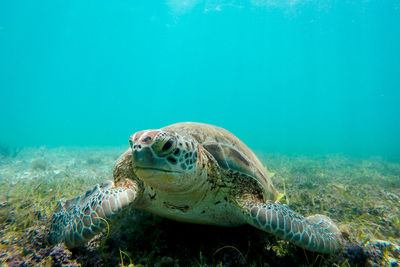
x,y
298,76
312,87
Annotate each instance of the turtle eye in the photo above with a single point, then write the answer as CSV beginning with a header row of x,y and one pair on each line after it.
x,y
167,145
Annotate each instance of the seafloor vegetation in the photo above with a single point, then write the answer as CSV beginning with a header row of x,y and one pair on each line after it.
x,y
361,194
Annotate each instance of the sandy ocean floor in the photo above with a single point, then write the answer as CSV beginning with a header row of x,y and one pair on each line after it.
x,y
361,194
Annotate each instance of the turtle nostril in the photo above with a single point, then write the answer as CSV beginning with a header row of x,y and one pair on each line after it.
x,y
167,145
137,147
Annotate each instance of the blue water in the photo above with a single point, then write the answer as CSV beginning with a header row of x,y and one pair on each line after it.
x,y
297,76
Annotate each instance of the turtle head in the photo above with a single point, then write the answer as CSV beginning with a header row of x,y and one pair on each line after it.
x,y
163,158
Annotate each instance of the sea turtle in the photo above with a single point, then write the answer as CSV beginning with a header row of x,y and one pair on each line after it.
x,y
191,172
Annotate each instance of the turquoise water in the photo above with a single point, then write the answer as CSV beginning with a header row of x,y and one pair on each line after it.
x,y
284,76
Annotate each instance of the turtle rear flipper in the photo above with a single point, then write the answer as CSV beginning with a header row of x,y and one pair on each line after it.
x,y
315,233
77,220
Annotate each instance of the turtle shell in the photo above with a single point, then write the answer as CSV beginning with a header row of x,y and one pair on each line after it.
x,y
228,151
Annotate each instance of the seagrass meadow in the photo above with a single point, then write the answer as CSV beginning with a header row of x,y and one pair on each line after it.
x,y
330,184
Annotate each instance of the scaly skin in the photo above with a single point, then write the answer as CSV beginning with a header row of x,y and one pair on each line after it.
x,y
79,219
315,233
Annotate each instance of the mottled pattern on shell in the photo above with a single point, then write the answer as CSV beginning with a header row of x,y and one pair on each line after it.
x,y
230,153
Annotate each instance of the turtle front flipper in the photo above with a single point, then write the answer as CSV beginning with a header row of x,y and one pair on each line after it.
x,y
77,220
315,233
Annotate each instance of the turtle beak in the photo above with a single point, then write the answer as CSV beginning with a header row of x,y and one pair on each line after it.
x,y
140,143
143,157
149,149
